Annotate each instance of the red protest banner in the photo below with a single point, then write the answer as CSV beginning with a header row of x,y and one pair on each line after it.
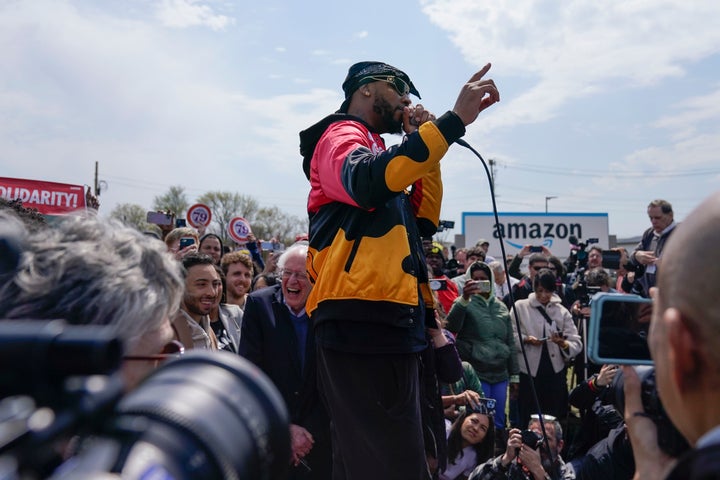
x,y
49,198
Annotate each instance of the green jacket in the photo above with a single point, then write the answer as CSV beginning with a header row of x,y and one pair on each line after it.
x,y
484,337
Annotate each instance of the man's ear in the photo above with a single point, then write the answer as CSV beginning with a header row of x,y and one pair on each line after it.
x,y
685,357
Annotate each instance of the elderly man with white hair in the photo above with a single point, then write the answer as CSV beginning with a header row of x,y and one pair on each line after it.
x,y
503,282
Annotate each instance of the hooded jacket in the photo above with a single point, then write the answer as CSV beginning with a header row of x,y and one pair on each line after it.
x,y
484,334
365,256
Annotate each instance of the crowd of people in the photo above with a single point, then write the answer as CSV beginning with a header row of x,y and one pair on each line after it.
x,y
395,359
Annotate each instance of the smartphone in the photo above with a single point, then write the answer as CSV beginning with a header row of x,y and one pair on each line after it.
x,y
536,249
160,218
438,284
618,329
484,286
186,242
267,246
180,222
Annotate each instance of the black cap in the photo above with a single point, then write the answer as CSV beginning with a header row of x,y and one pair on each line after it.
x,y
359,73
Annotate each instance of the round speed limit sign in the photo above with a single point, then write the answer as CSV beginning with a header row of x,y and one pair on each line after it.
x,y
199,215
239,229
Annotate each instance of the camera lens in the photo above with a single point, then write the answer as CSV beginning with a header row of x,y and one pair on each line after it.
x,y
207,415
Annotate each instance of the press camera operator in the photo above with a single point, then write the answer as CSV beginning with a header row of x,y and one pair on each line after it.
x,y
85,310
88,271
589,284
684,340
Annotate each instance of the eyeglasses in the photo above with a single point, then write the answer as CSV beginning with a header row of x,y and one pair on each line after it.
x,y
537,269
400,85
290,273
173,349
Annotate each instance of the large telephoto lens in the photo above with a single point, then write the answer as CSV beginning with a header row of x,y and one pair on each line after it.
x,y
204,415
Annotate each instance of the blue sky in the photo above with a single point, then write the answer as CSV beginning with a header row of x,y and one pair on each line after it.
x,y
605,105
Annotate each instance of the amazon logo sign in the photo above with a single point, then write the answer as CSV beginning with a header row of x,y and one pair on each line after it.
x,y
518,229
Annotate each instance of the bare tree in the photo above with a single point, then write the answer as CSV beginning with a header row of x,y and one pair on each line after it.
x,y
272,222
174,200
227,205
134,216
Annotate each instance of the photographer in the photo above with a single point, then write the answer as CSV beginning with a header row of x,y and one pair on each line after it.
x,y
529,456
89,271
684,342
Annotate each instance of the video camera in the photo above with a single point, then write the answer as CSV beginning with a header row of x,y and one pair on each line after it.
x,y
445,225
203,415
619,325
577,262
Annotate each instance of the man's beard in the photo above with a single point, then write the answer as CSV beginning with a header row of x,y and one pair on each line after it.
x,y
387,114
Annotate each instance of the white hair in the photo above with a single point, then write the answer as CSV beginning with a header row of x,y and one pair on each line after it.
x,y
90,271
296,249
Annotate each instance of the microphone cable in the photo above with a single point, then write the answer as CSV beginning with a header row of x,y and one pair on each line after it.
x,y
512,299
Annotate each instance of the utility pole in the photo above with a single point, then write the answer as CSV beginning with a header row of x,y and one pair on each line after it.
x,y
492,163
100,185
97,183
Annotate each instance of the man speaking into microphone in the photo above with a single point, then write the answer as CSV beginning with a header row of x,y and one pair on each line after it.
x,y
371,300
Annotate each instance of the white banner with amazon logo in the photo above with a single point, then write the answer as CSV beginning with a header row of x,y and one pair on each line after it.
x,y
552,230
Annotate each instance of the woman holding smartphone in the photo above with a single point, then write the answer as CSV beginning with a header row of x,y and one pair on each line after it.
x,y
551,340
484,335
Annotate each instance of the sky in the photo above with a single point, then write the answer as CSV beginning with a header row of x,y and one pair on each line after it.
x,y
604,105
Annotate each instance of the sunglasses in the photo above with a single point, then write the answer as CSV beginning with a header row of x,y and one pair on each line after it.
x,y
400,85
173,349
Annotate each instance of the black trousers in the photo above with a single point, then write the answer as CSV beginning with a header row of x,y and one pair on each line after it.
x,y
552,392
374,407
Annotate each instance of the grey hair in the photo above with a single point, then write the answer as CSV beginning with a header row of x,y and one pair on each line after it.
x,y
555,423
496,266
91,271
294,249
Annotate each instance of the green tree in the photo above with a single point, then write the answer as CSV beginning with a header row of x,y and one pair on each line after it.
x,y
134,216
227,205
174,200
272,222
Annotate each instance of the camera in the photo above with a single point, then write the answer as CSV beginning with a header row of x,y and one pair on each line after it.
x,y
438,284
203,415
619,325
532,439
445,225
670,440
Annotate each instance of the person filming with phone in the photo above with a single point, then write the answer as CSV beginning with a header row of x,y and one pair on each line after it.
x,y
684,341
485,340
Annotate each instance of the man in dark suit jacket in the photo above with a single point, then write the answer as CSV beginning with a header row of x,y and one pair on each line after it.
x,y
277,337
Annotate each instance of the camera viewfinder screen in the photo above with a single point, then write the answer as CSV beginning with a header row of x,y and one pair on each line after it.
x,y
623,331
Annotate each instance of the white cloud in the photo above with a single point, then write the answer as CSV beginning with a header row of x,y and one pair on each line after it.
x,y
581,48
191,13
692,111
362,34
